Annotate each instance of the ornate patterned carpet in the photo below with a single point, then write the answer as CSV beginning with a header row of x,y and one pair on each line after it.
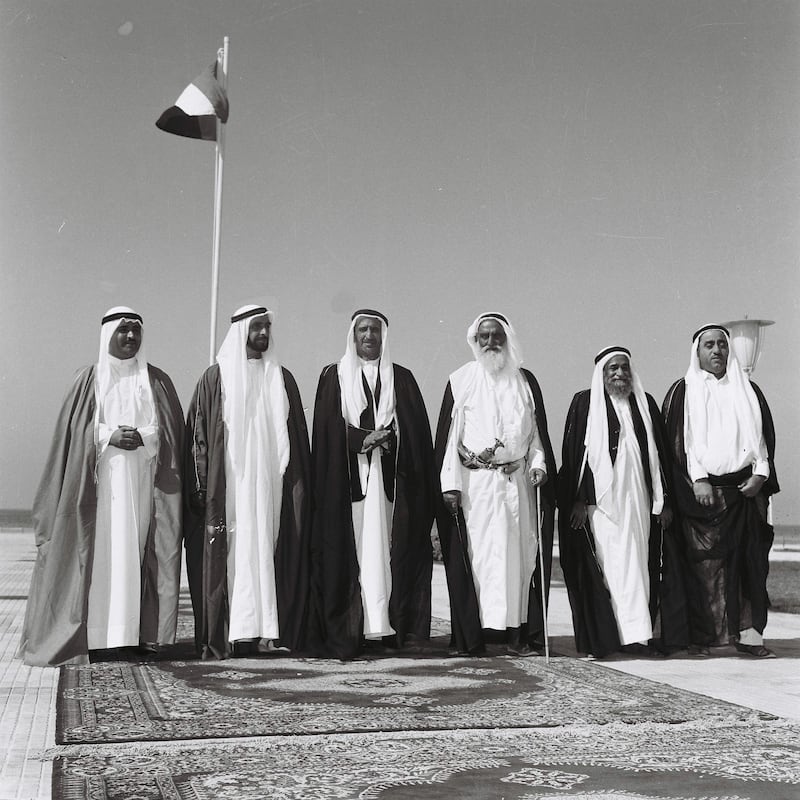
x,y
402,728
170,700
690,761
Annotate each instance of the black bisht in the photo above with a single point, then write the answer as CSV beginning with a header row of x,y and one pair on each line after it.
x,y
593,617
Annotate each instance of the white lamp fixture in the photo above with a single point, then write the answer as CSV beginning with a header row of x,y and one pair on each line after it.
x,y
746,340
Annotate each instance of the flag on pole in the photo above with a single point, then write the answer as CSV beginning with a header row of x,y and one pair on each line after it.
x,y
196,111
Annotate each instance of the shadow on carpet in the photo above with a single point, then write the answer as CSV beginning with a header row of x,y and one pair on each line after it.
x,y
697,761
117,701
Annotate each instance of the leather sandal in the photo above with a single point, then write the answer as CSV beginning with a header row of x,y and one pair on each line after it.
x,y
755,650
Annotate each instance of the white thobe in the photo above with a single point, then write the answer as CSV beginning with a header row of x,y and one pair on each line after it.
x,y
498,508
621,527
253,508
726,450
124,511
372,524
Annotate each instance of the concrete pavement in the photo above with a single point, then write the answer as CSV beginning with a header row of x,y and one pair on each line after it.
x,y
28,694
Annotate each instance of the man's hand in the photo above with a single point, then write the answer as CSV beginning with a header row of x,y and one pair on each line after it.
x,y
374,439
197,500
665,518
579,515
752,486
703,493
452,502
126,438
538,477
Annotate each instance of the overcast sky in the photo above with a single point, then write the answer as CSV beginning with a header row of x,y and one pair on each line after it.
x,y
602,171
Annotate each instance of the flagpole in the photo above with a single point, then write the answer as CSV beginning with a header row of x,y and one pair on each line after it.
x,y
219,161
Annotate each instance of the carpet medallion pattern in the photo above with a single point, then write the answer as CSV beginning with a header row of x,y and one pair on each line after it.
x,y
118,701
696,760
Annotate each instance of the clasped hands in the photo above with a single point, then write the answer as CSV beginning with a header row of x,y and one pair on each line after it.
x,y
126,438
379,438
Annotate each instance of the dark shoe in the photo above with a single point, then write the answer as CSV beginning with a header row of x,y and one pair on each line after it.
x,y
271,647
522,650
754,650
635,649
242,649
698,651
148,648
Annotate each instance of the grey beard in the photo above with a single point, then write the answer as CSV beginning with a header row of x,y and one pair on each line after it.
x,y
492,361
619,391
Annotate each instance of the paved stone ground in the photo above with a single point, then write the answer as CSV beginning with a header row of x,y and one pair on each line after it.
x,y
28,694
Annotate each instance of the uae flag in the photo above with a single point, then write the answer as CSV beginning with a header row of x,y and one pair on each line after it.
x,y
196,111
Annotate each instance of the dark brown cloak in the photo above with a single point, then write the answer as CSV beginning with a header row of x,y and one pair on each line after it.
x,y
206,528
64,517
726,547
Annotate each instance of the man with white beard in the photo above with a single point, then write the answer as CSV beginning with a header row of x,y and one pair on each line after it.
x,y
619,567
492,451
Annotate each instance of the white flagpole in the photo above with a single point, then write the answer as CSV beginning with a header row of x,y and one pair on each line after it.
x,y
222,77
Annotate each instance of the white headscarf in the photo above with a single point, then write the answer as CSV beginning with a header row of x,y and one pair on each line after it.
x,y
512,340
695,410
596,439
354,399
464,380
273,407
112,319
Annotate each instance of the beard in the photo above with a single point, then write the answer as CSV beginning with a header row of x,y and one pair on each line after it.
x,y
620,389
493,361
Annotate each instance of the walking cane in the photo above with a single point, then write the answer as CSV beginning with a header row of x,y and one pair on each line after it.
x,y
541,567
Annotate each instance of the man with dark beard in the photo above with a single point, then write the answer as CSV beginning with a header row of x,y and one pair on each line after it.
x,y
613,511
723,444
492,451
247,497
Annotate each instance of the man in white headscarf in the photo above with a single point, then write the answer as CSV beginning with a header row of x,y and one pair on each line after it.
x,y
374,494
247,479
492,450
723,443
107,515
613,509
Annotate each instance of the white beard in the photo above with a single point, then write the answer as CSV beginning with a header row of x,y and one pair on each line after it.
x,y
493,361
620,392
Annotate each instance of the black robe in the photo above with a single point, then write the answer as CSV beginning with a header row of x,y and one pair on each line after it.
x,y
206,529
338,617
726,547
64,524
467,634
592,615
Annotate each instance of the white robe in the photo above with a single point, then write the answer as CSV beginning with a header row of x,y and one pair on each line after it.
x,y
253,507
498,508
124,508
622,532
372,524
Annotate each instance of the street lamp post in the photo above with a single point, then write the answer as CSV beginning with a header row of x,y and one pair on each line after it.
x,y
746,340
